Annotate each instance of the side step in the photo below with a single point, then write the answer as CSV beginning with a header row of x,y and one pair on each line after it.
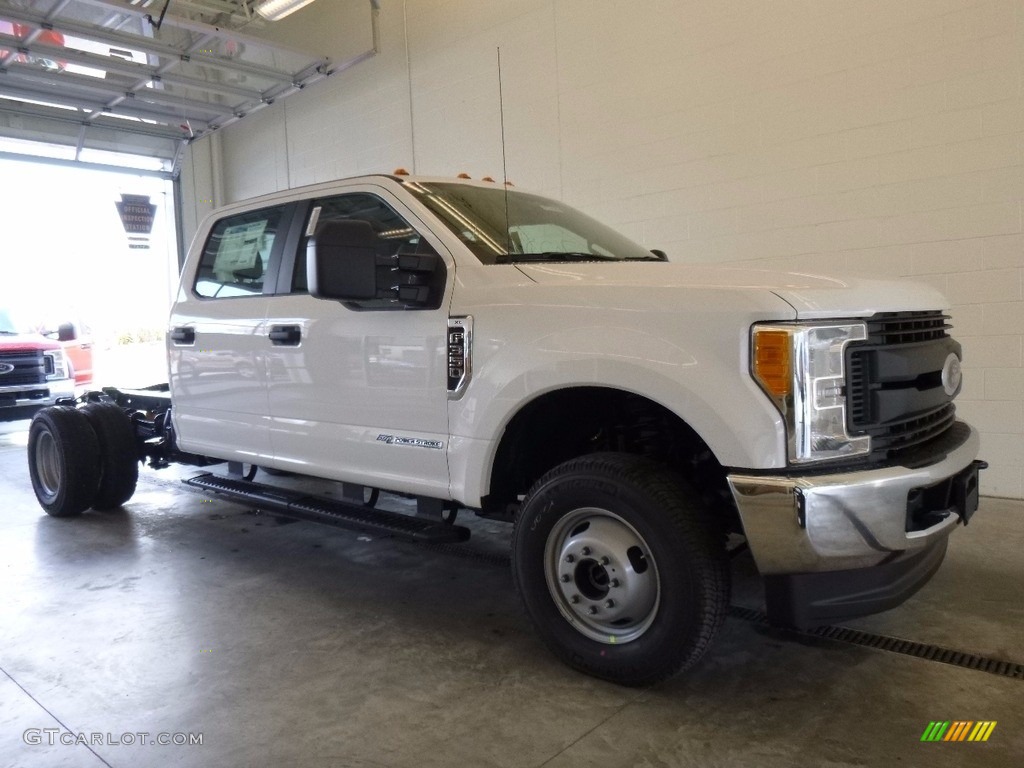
x,y
320,510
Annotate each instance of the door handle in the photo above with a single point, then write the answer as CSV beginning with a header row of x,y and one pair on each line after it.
x,y
285,335
183,335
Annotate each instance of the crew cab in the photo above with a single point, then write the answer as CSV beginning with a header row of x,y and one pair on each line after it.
x,y
482,348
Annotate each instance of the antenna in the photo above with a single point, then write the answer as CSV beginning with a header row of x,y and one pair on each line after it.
x,y
504,164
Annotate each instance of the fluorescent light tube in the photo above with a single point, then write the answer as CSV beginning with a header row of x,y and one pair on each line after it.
x,y
272,10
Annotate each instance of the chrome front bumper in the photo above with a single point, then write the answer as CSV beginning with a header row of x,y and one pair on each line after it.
x,y
841,521
36,395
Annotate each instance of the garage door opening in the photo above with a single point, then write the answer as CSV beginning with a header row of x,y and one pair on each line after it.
x,y
94,249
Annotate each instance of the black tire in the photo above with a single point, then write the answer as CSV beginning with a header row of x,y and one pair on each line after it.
x,y
63,461
119,456
619,568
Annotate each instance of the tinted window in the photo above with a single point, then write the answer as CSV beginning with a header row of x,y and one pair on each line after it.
x,y
237,254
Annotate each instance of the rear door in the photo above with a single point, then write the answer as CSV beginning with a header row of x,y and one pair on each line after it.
x,y
217,340
358,391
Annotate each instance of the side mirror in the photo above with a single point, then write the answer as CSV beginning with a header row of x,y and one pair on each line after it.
x,y
66,332
342,263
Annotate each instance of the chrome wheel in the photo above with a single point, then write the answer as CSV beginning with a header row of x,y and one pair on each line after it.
x,y
602,575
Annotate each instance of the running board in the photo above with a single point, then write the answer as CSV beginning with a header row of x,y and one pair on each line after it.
x,y
330,511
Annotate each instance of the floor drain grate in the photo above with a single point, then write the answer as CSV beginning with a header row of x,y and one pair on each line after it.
x,y
925,651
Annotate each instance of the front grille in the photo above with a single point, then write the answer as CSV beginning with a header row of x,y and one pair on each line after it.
x,y
907,327
894,382
29,368
912,432
858,376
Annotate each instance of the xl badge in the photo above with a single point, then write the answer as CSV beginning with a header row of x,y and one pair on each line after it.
x,y
951,374
5,368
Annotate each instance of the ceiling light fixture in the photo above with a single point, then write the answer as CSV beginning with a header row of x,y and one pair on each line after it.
x,y
272,10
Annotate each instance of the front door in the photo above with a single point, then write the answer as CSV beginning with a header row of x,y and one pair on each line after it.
x,y
358,391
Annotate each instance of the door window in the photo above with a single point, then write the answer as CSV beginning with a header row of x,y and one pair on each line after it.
x,y
237,254
394,236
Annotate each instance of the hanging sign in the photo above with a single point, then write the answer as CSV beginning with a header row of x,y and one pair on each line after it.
x,y
137,215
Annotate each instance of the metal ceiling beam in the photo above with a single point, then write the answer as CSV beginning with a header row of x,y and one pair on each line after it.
x,y
179,22
144,44
62,98
156,107
91,87
73,117
166,175
138,70
35,34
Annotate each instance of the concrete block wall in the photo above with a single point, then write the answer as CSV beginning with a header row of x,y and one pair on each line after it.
x,y
865,136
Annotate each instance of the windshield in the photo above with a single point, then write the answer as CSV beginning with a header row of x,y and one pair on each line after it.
x,y
6,324
512,227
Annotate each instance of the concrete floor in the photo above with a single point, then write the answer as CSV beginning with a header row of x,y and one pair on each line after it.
x,y
298,645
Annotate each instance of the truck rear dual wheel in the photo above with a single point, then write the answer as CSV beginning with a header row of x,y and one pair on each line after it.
x,y
619,569
63,460
119,457
82,458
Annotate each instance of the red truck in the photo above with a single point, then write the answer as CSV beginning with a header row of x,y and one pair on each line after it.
x,y
36,371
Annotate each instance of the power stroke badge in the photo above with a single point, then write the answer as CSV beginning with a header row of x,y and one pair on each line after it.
x,y
415,442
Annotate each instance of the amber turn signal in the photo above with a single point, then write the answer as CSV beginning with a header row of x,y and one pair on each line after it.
x,y
772,363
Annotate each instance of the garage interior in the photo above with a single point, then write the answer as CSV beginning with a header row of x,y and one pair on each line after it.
x,y
869,137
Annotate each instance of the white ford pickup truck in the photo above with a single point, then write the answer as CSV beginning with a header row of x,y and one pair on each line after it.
x,y
477,347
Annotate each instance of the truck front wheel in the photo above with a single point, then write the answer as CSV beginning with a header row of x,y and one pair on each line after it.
x,y
63,461
619,568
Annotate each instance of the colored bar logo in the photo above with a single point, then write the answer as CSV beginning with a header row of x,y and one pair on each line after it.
x,y
958,730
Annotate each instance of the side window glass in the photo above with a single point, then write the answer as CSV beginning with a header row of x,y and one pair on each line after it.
x,y
235,259
393,236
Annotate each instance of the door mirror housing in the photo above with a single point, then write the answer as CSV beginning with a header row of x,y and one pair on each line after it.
x,y
66,332
344,263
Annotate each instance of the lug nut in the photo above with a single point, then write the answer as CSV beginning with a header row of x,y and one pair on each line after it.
x,y
609,603
605,561
613,583
574,599
570,558
565,577
586,551
592,610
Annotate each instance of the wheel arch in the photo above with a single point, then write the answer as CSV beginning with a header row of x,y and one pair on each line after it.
x,y
566,422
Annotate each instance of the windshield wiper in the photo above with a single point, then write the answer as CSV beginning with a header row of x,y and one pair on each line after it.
x,y
8,333
515,258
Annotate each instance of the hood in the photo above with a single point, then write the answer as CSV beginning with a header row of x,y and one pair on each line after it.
x,y
25,342
811,296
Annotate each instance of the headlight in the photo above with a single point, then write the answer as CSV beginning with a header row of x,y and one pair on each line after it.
x,y
56,365
801,367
